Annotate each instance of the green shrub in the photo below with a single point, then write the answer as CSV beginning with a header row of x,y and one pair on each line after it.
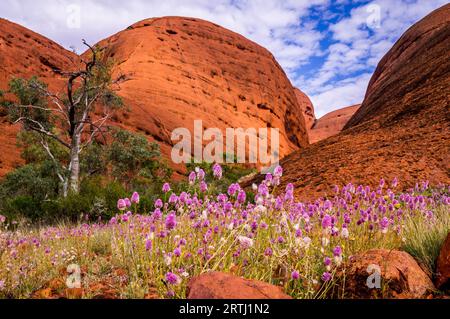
x,y
21,206
36,180
424,236
95,200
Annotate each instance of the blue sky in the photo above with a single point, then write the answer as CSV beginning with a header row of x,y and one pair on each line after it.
x,y
328,48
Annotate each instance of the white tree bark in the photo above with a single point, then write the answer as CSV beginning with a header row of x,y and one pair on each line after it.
x,y
75,163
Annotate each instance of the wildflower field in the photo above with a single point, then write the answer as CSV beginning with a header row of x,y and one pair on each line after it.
x,y
263,234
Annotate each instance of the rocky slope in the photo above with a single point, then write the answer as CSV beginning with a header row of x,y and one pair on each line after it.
x,y
331,123
178,70
403,126
24,53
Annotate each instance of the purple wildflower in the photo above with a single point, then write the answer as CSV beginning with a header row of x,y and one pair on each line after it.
x,y
268,252
148,244
241,197
233,188
278,171
135,198
172,279
326,221
157,214
200,174
217,171
158,203
337,251
192,177
326,276
263,190
245,242
384,223
166,187
203,186
121,204
171,221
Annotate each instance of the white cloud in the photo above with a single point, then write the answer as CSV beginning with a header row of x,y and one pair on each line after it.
x,y
340,94
276,25
343,64
357,45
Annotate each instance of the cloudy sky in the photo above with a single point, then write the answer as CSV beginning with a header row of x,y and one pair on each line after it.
x,y
328,48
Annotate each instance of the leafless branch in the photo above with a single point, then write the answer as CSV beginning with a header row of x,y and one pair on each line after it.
x,y
97,129
84,74
55,98
50,154
41,108
41,129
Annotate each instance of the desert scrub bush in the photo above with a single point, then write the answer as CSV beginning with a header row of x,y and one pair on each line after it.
x,y
424,234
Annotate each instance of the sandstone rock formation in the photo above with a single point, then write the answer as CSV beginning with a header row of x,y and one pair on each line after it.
x,y
175,70
178,70
24,53
218,285
442,280
306,108
328,125
401,276
10,153
331,123
402,128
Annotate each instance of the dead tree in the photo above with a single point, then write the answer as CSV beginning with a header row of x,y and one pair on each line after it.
x,y
69,119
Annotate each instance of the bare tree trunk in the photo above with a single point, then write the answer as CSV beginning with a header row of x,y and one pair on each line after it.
x,y
75,164
65,188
